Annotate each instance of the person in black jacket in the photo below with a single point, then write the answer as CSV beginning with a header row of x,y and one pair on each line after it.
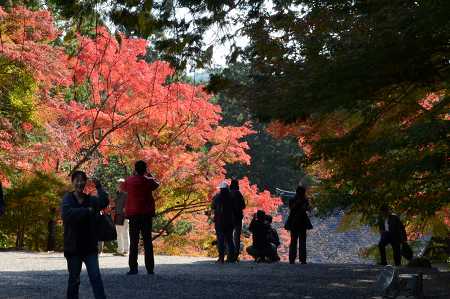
x,y
392,232
79,212
222,207
261,249
239,206
298,223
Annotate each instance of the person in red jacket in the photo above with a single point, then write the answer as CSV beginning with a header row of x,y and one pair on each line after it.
x,y
140,209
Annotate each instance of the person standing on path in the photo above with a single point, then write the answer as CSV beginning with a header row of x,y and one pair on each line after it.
x,y
140,210
239,206
123,240
392,232
79,211
222,207
298,223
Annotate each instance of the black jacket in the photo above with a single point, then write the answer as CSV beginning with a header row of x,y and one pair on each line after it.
x,y
80,236
224,216
396,228
260,233
298,219
238,204
273,237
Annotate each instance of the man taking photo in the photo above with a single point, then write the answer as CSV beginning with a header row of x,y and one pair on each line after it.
x,y
140,210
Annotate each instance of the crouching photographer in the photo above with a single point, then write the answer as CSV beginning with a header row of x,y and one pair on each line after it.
x,y
261,249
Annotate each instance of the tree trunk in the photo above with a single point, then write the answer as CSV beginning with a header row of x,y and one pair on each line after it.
x,y
19,238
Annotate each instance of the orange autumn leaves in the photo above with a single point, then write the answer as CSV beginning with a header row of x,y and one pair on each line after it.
x,y
129,107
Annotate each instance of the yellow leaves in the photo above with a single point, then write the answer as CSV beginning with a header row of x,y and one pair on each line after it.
x,y
17,99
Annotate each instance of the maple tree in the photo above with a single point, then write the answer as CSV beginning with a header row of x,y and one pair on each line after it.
x,y
132,112
92,98
32,70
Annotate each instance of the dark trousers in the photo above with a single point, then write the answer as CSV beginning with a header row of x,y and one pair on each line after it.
x,y
386,238
237,237
141,224
297,236
225,237
74,264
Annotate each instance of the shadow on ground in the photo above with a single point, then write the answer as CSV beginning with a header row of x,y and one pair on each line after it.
x,y
204,279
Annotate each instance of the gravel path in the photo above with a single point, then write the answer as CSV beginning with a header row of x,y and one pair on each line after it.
x,y
31,275
326,245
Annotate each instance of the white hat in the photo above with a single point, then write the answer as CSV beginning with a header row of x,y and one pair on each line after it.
x,y
223,185
120,180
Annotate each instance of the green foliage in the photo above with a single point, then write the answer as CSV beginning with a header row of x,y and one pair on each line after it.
x,y
109,173
182,227
32,4
355,72
181,197
273,161
175,38
160,222
17,90
5,241
30,203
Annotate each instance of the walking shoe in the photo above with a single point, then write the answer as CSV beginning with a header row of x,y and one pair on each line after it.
x,y
132,272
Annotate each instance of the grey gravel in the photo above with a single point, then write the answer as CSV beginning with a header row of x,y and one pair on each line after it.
x,y
39,275
325,244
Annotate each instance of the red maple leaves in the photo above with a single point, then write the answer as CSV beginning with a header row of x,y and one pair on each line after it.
x,y
107,100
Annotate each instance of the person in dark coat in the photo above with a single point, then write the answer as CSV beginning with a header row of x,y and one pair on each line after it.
x,y
2,201
298,223
222,207
140,210
122,224
239,206
79,211
261,249
392,232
